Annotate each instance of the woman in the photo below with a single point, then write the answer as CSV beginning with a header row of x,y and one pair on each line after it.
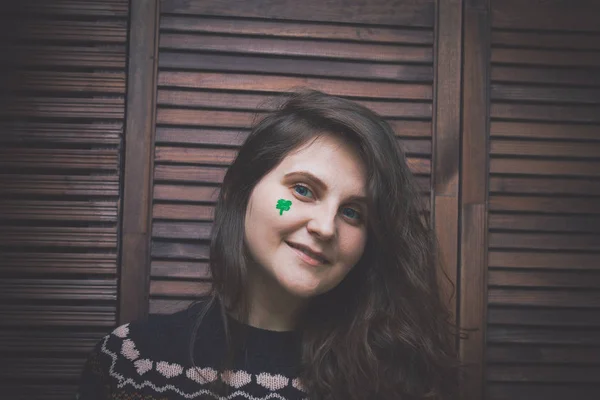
x,y
324,277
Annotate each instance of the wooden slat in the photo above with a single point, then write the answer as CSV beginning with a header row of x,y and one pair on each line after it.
x,y
544,298
92,211
40,392
60,185
180,173
101,31
186,193
22,315
538,130
545,167
511,391
188,155
168,306
219,119
537,373
76,82
544,241
181,230
555,223
543,335
180,269
285,47
546,112
542,354
187,289
47,341
566,205
415,13
252,82
97,8
547,75
551,58
100,238
507,92
69,56
28,368
544,149
96,159
187,251
541,260
66,107
545,279
186,136
337,68
183,212
544,317
544,185
58,289
58,263
301,30
107,133
554,40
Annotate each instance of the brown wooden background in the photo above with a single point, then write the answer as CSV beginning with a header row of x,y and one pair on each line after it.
x,y
119,119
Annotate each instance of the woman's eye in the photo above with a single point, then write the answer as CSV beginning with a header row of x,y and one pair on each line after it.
x,y
356,214
303,190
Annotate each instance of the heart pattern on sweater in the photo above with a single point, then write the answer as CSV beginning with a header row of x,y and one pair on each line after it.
x,y
142,366
272,382
122,331
202,376
236,379
129,351
169,370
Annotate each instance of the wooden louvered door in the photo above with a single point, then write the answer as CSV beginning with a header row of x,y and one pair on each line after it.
x,y
543,322
220,60
61,127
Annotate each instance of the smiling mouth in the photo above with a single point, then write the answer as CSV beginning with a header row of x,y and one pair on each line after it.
x,y
308,258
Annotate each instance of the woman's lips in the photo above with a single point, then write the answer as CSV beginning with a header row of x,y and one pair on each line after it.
x,y
306,258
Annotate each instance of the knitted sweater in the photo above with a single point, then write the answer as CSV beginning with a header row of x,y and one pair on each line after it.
x,y
149,361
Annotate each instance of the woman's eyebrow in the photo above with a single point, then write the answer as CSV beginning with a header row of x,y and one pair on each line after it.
x,y
321,184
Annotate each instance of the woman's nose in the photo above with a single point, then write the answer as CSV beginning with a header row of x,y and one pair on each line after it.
x,y
322,222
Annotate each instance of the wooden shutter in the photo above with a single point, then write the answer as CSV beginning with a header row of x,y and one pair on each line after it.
x,y
220,60
61,132
543,325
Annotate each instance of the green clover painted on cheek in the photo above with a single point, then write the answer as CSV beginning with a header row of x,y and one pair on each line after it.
x,y
283,205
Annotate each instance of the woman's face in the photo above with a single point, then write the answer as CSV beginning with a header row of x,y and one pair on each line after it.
x,y
326,218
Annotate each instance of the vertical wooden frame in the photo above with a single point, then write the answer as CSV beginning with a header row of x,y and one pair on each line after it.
x,y
138,162
446,142
474,194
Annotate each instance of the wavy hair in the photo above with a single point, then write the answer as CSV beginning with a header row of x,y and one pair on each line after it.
x,y
383,332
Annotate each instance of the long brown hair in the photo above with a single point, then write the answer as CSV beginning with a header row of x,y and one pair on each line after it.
x,y
383,332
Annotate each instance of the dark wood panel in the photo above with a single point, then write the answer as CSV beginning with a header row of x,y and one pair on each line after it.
x,y
552,58
188,289
96,8
38,210
76,82
47,341
181,230
40,392
554,223
60,185
544,317
75,237
29,368
203,136
188,251
546,15
275,84
543,130
289,29
545,167
58,289
507,92
186,193
190,155
554,40
67,107
546,75
168,306
58,263
544,298
544,279
542,373
101,31
398,13
180,269
220,119
508,259
97,159
544,149
335,68
544,241
512,391
183,212
285,47
23,315
546,112
543,354
545,185
68,56
105,133
567,205
180,173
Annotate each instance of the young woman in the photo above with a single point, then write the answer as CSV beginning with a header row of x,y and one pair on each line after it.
x,y
325,283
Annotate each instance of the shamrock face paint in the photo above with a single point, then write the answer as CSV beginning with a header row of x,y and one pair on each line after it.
x,y
283,205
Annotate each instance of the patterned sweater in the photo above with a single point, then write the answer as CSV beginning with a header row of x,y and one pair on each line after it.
x,y
150,361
